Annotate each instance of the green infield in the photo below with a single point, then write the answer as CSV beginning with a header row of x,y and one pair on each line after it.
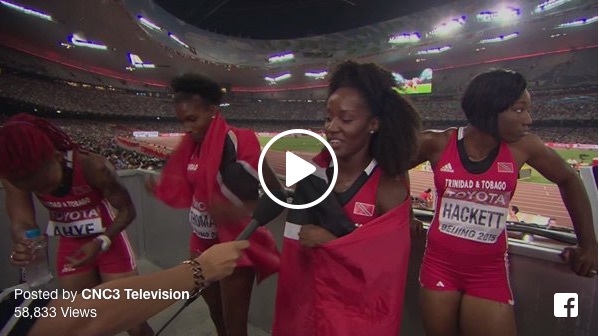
x,y
299,143
580,155
420,88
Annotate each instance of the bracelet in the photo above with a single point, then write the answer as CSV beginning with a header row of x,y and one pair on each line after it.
x,y
198,277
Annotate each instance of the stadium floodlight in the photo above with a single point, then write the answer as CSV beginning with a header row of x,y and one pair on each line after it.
x,y
80,42
548,5
448,26
405,38
148,23
171,35
27,11
136,61
578,23
500,38
224,104
502,14
275,80
433,50
282,77
316,74
281,58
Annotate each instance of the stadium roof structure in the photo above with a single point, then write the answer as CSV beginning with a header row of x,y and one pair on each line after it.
x,y
146,44
290,19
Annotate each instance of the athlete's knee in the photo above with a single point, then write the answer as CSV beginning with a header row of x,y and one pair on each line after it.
x,y
440,312
439,329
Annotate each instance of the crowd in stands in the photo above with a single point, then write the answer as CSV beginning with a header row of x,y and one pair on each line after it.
x,y
563,96
567,135
260,109
561,72
99,137
543,108
60,96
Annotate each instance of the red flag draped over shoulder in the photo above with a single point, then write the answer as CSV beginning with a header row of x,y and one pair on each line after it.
x,y
353,285
175,190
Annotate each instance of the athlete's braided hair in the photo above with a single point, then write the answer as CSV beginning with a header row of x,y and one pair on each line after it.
x,y
190,84
27,143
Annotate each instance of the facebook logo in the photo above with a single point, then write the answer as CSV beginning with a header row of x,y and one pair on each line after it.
x,y
565,305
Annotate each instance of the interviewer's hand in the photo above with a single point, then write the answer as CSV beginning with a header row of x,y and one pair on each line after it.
x,y
220,260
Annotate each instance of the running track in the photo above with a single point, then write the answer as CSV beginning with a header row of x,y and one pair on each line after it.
x,y
535,198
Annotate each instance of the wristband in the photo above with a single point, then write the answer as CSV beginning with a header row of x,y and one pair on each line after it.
x,y
106,242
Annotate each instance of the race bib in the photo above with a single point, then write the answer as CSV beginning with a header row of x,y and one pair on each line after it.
x,y
201,222
476,215
74,223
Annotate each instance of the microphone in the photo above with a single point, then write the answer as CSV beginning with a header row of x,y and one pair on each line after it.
x,y
266,210
330,212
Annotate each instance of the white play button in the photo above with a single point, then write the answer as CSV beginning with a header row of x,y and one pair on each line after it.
x,y
296,169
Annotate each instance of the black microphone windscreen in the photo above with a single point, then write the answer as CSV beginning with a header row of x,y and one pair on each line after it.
x,y
331,214
267,209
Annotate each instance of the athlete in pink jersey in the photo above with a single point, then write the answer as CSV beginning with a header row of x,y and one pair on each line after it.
x,y
78,218
345,274
79,189
213,173
464,274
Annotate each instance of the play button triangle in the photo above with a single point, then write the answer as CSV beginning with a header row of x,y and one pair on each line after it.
x,y
296,169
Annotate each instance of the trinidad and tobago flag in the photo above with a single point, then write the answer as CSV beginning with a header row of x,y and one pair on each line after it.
x,y
352,285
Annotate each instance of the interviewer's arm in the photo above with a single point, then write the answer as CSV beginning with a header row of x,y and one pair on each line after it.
x,y
114,316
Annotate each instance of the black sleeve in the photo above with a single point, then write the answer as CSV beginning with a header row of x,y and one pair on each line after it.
x,y
302,216
329,213
235,176
11,325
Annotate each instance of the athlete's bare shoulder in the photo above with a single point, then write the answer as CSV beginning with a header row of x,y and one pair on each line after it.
x,y
432,143
529,146
91,161
391,192
439,136
96,169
